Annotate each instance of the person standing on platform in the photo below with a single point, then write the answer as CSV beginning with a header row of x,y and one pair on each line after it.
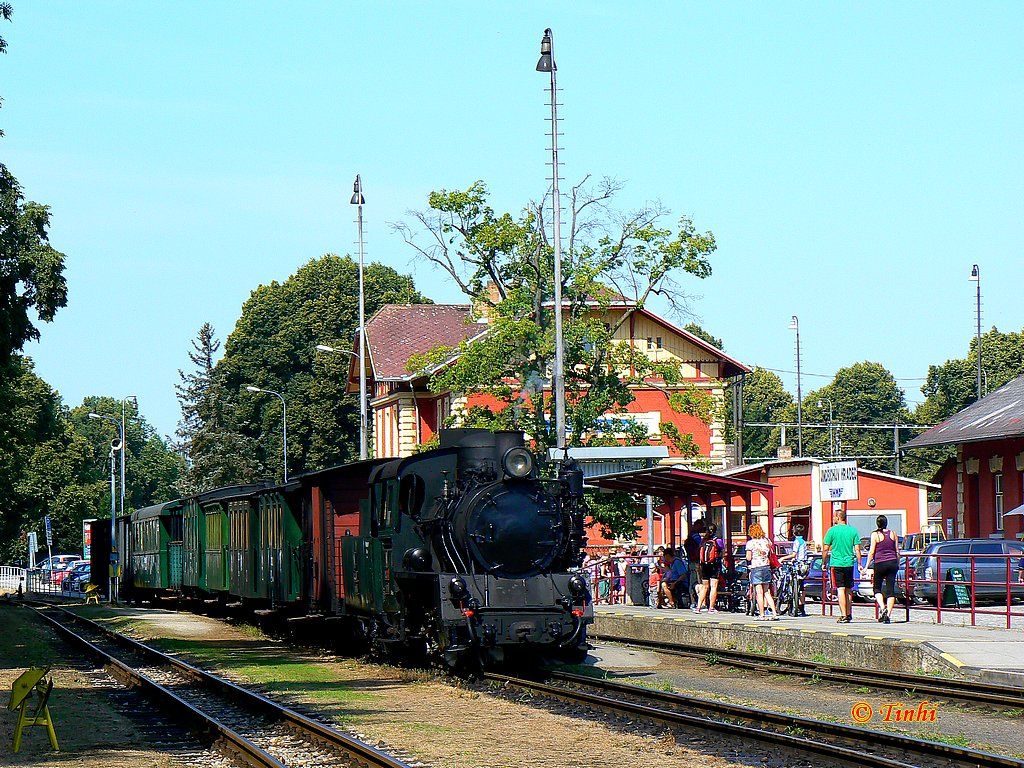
x,y
841,549
711,550
801,564
883,559
758,550
692,548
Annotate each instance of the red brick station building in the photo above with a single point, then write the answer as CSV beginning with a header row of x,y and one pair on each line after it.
x,y
983,484
405,413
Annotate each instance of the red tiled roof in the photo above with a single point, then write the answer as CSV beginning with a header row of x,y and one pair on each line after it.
x,y
399,331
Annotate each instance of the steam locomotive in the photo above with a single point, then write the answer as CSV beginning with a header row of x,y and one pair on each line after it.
x,y
459,553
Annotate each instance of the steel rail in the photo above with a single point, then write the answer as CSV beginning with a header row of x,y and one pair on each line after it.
x,y
973,691
366,755
858,737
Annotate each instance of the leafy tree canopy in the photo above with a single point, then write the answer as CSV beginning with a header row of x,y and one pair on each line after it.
x,y
952,386
504,264
765,400
273,347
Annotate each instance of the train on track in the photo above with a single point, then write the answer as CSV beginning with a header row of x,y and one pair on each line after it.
x,y
461,553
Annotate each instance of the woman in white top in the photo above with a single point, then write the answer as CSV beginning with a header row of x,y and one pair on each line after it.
x,y
758,550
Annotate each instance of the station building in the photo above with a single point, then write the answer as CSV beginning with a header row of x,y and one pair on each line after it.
x,y
983,483
406,413
797,498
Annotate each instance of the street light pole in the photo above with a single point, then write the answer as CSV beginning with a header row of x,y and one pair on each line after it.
x,y
358,200
115,445
284,422
976,278
794,325
546,63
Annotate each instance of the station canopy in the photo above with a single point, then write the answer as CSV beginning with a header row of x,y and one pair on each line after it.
x,y
679,487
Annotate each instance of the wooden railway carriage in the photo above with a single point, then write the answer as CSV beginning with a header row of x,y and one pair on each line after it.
x,y
155,548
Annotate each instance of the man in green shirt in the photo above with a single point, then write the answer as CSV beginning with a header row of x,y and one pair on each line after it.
x,y
841,545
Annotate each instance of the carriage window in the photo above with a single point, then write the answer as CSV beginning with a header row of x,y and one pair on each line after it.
x,y
411,492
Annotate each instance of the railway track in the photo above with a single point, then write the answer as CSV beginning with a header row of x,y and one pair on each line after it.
x,y
806,736
949,689
255,730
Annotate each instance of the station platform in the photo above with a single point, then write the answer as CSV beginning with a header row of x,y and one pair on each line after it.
x,y
984,653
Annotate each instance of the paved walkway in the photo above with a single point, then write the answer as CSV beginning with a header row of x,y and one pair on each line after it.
x,y
995,654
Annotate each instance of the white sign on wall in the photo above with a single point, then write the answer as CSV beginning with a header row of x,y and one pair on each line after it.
x,y
839,481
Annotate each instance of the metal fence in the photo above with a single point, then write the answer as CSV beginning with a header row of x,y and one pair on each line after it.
x,y
38,581
974,589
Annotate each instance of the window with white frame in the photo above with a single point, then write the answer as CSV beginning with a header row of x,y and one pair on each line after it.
x,y
997,480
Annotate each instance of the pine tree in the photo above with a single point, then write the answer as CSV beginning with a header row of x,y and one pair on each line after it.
x,y
214,450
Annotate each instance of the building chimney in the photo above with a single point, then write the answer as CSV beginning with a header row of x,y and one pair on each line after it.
x,y
482,310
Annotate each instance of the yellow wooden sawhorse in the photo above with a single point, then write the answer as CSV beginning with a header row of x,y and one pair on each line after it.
x,y
92,594
29,696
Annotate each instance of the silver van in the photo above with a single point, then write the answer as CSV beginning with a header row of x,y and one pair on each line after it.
x,y
990,573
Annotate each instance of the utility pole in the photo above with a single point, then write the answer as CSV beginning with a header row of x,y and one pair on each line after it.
x,y
976,278
794,325
547,64
358,200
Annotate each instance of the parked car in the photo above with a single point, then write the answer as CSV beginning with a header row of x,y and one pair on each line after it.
x,y
46,572
990,573
76,577
61,574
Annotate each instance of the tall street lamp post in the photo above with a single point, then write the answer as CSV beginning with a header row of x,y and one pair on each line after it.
x,y
362,393
794,325
116,444
547,64
976,278
284,422
358,200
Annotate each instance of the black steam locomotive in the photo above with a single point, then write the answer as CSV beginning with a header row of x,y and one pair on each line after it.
x,y
462,552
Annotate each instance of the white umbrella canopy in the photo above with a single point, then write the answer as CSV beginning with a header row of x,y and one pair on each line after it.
x,y
1015,511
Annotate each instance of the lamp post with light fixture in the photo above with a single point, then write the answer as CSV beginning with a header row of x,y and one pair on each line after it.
x,y
115,445
794,325
976,278
546,63
284,422
358,200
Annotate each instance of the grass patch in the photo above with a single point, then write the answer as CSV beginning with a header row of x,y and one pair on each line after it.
x,y
820,658
653,685
945,738
1017,712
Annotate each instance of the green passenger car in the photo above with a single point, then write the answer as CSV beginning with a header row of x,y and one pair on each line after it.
x,y
279,550
157,547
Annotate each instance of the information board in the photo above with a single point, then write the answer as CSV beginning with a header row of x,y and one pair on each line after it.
x,y
49,531
838,481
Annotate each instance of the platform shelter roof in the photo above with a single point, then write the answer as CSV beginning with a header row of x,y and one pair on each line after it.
x,y
677,482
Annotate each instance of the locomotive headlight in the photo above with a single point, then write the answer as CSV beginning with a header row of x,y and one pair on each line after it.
x,y
518,462
457,588
577,585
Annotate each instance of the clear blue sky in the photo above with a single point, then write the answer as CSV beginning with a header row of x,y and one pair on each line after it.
x,y
853,161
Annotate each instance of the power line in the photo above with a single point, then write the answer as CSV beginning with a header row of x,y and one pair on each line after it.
x,y
832,375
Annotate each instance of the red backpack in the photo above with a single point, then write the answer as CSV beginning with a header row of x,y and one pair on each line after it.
x,y
709,551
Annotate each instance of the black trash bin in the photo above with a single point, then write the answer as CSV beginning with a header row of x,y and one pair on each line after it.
x,y
637,579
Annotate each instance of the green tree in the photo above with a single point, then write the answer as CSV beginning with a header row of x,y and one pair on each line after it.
x,y
952,386
272,347
700,333
765,400
863,393
504,264
43,463
213,451
151,467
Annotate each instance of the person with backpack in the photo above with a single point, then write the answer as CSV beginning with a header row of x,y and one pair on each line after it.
x,y
800,557
692,549
710,562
